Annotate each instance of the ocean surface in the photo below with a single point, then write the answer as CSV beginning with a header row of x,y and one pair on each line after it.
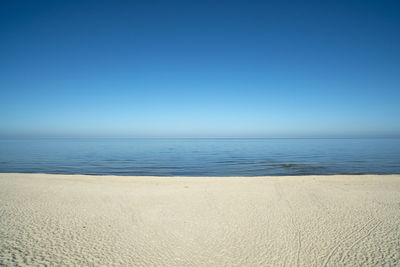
x,y
201,157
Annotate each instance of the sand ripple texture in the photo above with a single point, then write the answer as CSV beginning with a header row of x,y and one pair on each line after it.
x,y
61,220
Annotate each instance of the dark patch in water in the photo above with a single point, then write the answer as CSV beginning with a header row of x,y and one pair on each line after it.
x,y
295,166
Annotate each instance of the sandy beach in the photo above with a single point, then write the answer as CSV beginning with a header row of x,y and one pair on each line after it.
x,y
238,221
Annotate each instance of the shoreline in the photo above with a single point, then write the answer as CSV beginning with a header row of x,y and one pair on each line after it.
x,y
312,220
199,176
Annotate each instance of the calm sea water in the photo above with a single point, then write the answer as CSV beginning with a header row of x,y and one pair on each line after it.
x,y
201,157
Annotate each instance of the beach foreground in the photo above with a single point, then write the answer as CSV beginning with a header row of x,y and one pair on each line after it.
x,y
130,221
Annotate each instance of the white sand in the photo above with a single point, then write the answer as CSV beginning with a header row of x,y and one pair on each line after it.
x,y
130,221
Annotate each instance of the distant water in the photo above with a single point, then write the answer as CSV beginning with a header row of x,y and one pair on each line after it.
x,y
201,157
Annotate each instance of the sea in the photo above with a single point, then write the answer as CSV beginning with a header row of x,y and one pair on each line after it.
x,y
200,157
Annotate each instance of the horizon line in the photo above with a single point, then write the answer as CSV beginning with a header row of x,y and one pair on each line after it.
x,y
89,137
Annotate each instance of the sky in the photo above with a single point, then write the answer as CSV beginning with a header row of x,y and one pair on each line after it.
x,y
274,69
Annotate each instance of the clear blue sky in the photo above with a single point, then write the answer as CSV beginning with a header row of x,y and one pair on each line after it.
x,y
199,68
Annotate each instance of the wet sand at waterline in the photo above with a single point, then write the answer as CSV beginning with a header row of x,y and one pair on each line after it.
x,y
187,221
